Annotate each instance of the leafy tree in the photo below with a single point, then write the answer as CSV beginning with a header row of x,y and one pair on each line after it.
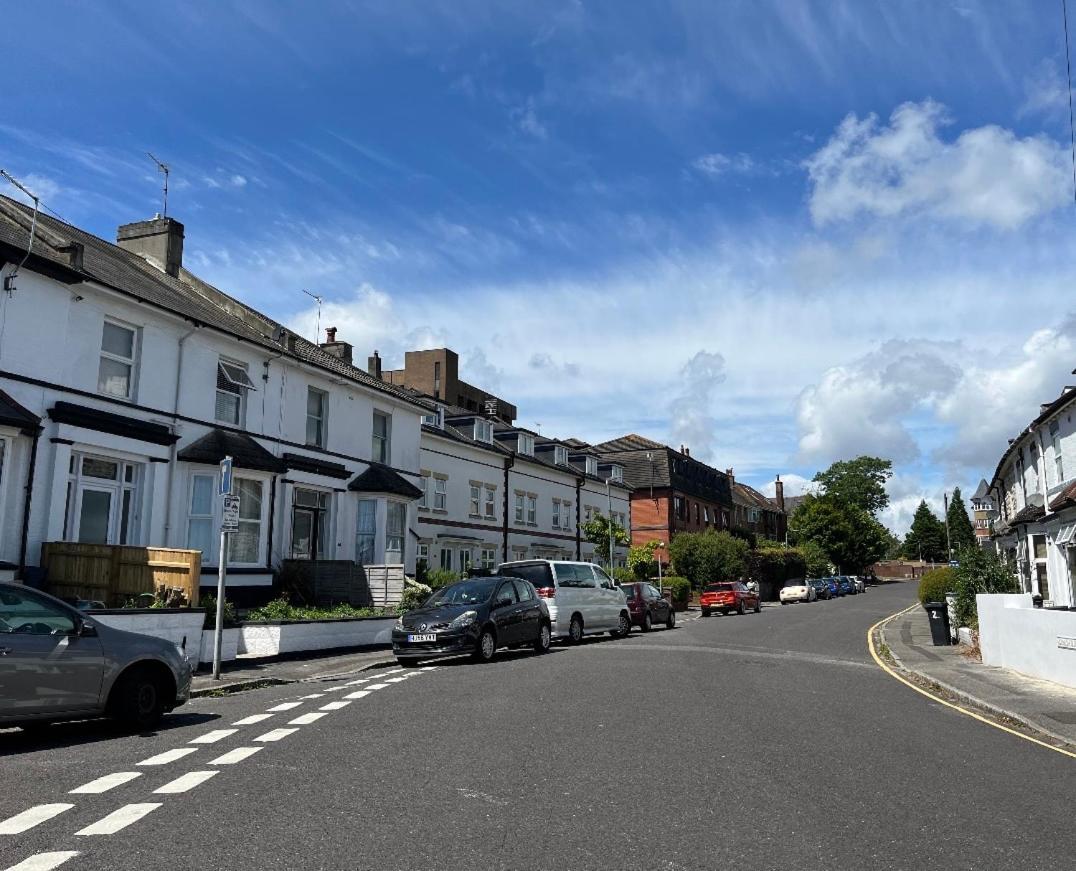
x,y
926,539
705,557
816,559
849,535
641,560
859,483
596,531
961,532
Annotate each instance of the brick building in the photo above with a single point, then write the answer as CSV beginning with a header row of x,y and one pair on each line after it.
x,y
435,373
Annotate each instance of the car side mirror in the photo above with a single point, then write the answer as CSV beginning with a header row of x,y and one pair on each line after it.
x,y
502,603
86,630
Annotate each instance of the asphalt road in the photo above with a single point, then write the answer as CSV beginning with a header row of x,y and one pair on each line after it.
x,y
764,741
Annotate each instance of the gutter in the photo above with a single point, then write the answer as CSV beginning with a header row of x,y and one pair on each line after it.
x,y
29,492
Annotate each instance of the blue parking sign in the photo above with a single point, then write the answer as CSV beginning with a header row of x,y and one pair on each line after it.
x,y
226,476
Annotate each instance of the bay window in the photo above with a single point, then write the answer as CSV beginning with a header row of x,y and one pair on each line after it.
x,y
395,527
366,533
244,545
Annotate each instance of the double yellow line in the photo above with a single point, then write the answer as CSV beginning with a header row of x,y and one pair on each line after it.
x,y
941,701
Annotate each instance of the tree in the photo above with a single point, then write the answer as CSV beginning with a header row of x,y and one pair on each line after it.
x,y
926,539
705,557
859,482
816,559
596,531
641,559
961,532
849,535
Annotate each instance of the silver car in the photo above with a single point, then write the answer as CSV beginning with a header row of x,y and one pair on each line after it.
x,y
59,664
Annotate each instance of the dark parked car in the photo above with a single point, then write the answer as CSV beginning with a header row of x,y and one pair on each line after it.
x,y
834,587
843,587
648,607
853,587
57,663
476,616
727,597
820,587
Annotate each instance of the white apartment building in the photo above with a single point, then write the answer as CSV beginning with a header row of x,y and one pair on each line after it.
x,y
124,380
1034,493
494,493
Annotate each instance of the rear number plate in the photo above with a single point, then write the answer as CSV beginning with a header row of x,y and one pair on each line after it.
x,y
418,639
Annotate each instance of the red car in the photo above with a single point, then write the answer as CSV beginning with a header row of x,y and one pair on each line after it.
x,y
728,596
647,607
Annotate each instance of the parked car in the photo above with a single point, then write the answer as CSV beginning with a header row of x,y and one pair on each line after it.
x,y
860,582
834,587
853,586
798,591
843,587
821,588
648,607
727,597
57,663
581,598
476,616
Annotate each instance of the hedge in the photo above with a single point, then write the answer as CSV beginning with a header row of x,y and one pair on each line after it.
x,y
935,584
679,588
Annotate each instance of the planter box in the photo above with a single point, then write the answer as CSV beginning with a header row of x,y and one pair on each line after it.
x,y
291,636
181,626
229,646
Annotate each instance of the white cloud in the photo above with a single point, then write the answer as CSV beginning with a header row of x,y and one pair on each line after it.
x,y
986,176
795,485
46,189
526,118
691,422
545,363
1045,91
717,164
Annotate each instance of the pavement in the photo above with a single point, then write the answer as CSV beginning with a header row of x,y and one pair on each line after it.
x,y
243,674
755,742
1040,705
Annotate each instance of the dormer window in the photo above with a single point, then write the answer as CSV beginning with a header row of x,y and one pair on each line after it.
x,y
525,444
436,418
483,431
560,455
616,473
592,466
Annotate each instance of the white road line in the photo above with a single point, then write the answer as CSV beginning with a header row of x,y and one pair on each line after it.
x,y
33,816
313,696
44,861
307,719
275,734
214,736
234,756
188,781
286,706
168,756
119,819
334,689
334,706
104,784
430,667
377,686
358,694
355,683
252,719
399,679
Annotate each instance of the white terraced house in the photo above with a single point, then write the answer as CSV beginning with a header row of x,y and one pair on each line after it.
x,y
124,379
1033,491
493,492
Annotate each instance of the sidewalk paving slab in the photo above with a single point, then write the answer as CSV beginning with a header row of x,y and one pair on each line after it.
x,y
1041,705
241,674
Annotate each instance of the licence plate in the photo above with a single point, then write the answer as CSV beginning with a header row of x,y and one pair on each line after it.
x,y
418,639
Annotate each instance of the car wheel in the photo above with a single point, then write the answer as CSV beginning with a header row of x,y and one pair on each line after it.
x,y
783,602
575,629
544,639
705,612
740,607
670,622
486,646
407,661
623,627
647,623
138,699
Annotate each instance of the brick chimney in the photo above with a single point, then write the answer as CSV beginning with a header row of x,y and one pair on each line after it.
x,y
686,451
732,476
373,365
779,493
340,350
159,241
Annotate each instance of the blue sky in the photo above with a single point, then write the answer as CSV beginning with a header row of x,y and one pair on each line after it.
x,y
781,233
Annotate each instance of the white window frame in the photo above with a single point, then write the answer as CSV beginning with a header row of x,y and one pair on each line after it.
x,y
560,455
322,419
242,387
422,553
520,500
591,466
616,473
483,431
384,456
1059,460
78,484
440,494
424,499
208,552
491,502
525,444
366,534
556,513
262,520
475,499
488,556
131,362
390,505
442,563
532,509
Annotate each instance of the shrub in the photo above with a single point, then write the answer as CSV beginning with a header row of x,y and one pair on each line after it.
x,y
641,560
282,609
624,576
935,584
705,557
414,595
980,571
774,564
209,602
679,588
437,578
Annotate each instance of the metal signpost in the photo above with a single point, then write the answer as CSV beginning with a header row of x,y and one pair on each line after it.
x,y
229,523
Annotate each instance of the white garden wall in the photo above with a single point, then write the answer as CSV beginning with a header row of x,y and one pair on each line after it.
x,y
291,636
1035,641
181,627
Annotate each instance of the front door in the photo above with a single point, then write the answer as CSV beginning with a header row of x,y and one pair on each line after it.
x,y
95,514
44,666
309,524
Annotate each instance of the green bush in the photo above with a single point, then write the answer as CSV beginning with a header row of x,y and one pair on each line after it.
x,y
706,557
282,609
641,560
437,578
624,576
679,588
776,564
210,605
414,595
980,571
935,584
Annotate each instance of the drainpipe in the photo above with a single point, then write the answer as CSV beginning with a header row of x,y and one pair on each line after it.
x,y
509,461
172,451
29,492
578,519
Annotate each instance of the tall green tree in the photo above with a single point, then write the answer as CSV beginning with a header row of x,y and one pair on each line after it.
x,y
926,538
961,532
596,531
859,483
849,535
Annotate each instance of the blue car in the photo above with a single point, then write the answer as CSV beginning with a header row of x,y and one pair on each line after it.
x,y
844,586
834,589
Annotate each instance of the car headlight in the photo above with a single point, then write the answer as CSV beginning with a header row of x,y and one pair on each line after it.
x,y
399,624
464,620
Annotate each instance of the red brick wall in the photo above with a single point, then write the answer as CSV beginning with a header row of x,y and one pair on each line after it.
x,y
649,517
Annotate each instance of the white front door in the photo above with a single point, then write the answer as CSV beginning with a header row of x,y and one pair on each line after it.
x,y
94,518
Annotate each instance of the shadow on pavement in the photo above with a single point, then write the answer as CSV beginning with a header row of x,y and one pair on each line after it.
x,y
51,736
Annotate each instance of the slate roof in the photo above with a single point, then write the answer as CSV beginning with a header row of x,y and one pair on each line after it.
x,y
83,256
1065,498
1028,514
745,494
246,453
983,491
381,479
15,415
666,467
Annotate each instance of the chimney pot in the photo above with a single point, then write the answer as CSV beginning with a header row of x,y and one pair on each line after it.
x,y
373,365
330,335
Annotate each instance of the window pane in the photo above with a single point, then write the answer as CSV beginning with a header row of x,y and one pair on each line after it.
x,y
366,516
200,535
227,407
397,518
114,378
95,468
117,340
93,517
250,498
243,545
202,494
126,516
313,431
313,402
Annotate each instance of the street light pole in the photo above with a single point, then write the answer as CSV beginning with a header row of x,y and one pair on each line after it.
x,y
609,500
948,544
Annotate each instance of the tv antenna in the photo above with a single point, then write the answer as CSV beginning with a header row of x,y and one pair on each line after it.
x,y
317,327
9,280
538,427
163,168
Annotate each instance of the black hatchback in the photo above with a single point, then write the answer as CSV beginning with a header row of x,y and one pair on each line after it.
x,y
476,616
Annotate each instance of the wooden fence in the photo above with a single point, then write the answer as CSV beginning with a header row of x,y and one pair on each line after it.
x,y
114,574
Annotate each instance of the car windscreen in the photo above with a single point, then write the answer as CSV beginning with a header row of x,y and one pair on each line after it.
x,y
718,588
471,592
537,573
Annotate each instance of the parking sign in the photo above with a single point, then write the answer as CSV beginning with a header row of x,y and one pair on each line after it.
x,y
226,476
229,516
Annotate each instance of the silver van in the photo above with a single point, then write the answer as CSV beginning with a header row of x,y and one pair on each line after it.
x,y
57,663
582,599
